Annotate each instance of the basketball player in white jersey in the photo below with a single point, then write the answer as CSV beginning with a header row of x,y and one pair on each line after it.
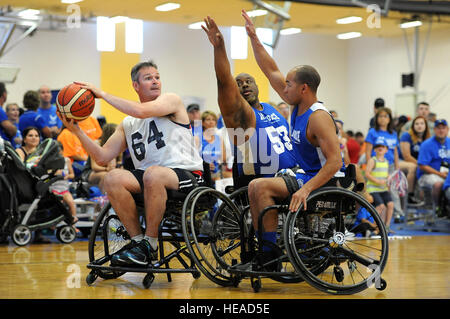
x,y
158,136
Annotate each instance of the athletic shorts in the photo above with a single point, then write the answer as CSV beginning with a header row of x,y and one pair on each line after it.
x,y
428,180
380,198
186,180
294,183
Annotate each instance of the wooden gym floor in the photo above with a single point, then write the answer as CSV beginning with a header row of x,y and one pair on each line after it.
x,y
418,268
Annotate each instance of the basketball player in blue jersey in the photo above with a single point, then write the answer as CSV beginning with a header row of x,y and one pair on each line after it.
x,y
258,131
159,139
313,134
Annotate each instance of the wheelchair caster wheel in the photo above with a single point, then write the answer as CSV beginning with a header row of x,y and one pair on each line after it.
x,y
382,285
338,273
148,280
91,277
256,285
235,281
196,274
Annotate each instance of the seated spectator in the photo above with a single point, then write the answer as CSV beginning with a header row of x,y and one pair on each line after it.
x,y
73,149
284,110
31,140
353,148
12,111
422,109
434,155
342,141
377,104
30,117
93,172
409,151
91,127
213,148
365,224
7,129
48,111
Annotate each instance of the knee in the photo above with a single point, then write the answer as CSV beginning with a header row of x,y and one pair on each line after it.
x,y
111,180
258,187
152,176
381,207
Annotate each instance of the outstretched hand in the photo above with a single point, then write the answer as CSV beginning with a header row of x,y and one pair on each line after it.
x,y
249,26
213,32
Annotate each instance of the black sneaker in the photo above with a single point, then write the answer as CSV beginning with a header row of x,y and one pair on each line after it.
x,y
414,201
137,254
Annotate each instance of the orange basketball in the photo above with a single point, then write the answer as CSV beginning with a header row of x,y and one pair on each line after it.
x,y
75,103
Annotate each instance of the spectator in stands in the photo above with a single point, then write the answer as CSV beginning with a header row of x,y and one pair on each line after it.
x,y
48,111
31,140
91,127
353,148
422,109
410,142
74,150
342,141
383,128
377,172
12,111
434,156
93,172
334,114
195,118
7,129
378,104
283,108
359,137
30,117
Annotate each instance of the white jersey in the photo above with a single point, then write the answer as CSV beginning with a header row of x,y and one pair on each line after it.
x,y
162,142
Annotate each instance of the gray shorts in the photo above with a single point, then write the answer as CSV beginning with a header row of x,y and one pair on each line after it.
x,y
428,180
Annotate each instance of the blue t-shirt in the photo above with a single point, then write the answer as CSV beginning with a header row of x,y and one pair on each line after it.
x,y
390,138
31,118
50,117
3,117
433,153
363,214
269,149
413,148
212,152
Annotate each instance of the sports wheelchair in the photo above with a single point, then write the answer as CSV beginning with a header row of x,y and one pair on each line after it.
x,y
315,245
185,229
26,202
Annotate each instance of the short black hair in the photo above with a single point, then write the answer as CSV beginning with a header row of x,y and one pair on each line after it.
x,y
359,134
31,100
379,102
137,67
424,103
307,74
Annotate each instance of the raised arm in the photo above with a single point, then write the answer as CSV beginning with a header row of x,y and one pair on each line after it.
x,y
265,62
165,104
236,112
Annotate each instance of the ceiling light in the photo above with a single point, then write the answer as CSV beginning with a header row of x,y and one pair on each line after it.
x,y
348,20
29,14
196,25
410,24
169,6
257,13
70,1
348,35
290,31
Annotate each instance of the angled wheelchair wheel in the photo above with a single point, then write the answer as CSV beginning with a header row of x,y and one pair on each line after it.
x,y
325,251
108,235
201,237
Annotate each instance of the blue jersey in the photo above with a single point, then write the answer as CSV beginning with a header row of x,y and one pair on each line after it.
x,y
363,214
3,117
269,148
433,153
50,117
413,148
390,138
310,157
31,118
